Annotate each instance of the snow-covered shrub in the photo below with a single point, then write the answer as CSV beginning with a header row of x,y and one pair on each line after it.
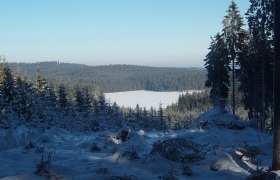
x,y
179,150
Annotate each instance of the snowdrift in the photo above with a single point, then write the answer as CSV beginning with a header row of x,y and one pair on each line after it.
x,y
219,118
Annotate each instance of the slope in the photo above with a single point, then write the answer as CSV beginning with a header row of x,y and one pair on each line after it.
x,y
116,78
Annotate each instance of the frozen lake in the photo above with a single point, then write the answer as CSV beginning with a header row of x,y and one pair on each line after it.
x,y
144,98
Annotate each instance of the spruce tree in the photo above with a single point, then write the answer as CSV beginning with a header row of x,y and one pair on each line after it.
x,y
217,66
6,83
87,100
21,100
40,81
260,22
62,98
233,33
79,100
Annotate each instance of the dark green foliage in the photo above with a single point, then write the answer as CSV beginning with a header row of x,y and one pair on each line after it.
x,y
247,64
256,70
115,78
217,65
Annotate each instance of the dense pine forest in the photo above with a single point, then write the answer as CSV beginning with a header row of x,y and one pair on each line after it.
x,y
116,78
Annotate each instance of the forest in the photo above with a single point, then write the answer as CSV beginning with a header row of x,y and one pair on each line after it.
x,y
116,78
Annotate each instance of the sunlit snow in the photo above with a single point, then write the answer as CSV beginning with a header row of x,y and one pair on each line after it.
x,y
145,98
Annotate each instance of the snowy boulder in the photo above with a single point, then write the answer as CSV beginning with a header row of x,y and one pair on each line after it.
x,y
179,150
219,118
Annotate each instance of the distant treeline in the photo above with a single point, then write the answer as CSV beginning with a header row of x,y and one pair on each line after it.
x,y
115,78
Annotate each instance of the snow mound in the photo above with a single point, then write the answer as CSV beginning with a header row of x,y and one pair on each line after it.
x,y
219,118
224,161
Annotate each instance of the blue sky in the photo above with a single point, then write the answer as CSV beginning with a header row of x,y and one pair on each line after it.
x,y
97,32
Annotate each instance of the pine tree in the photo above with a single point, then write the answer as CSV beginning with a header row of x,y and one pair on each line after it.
x,y
233,34
6,83
79,100
62,98
21,100
83,101
50,96
40,81
216,63
137,113
87,100
161,117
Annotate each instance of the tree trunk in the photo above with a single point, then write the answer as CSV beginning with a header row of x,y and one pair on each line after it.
x,y
276,102
233,87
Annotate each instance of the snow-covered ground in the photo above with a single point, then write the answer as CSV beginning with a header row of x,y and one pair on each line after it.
x,y
145,98
102,155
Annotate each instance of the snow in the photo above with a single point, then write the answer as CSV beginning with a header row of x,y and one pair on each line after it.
x,y
145,98
72,157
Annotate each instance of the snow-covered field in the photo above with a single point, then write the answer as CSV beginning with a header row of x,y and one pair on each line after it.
x,y
102,155
145,98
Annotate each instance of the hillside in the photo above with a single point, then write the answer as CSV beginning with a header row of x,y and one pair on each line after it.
x,y
217,151
115,78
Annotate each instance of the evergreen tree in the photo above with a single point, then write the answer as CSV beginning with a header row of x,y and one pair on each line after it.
x,y
50,96
83,101
260,22
216,63
137,113
21,100
101,103
62,97
161,117
7,90
233,34
79,100
40,81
